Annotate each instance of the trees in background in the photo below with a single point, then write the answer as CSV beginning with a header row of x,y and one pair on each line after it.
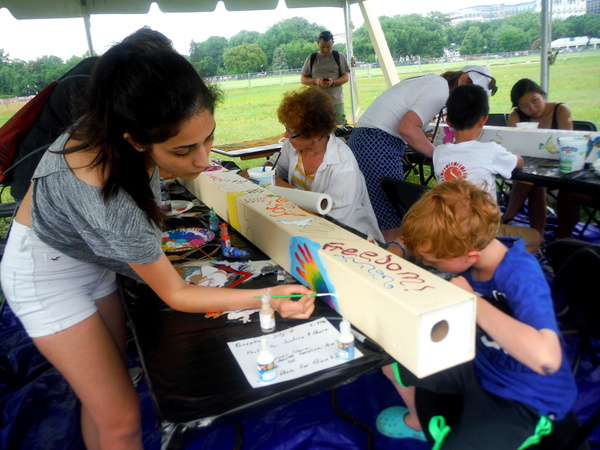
x,y
245,58
287,44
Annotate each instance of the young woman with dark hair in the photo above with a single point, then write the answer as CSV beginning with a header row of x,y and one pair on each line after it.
x,y
530,105
92,211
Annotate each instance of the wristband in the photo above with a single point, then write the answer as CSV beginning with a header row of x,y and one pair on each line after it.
x,y
333,83
387,244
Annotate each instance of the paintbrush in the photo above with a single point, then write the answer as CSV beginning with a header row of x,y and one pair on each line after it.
x,y
202,251
264,166
323,294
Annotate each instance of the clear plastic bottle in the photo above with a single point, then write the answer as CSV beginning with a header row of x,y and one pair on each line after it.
x,y
267,313
345,341
165,197
266,363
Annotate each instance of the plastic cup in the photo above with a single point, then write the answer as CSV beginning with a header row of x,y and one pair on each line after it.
x,y
572,153
263,176
527,125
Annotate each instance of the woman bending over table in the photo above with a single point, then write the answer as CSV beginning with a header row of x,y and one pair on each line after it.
x,y
314,159
92,210
530,105
396,119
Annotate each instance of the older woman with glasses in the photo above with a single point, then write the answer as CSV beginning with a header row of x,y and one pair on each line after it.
x,y
396,119
313,159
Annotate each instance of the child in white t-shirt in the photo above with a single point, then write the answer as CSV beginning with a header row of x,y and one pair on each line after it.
x,y
477,162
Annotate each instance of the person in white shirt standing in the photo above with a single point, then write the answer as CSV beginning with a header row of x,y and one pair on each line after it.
x,y
396,119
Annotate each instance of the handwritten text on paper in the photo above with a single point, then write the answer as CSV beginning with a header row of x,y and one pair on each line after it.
x,y
298,351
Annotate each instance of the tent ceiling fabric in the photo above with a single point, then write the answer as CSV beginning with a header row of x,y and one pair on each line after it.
x,y
55,9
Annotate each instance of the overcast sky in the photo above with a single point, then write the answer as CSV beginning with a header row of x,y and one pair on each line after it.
x,y
31,39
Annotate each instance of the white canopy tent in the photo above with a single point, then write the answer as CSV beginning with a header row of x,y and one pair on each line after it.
x,y
36,9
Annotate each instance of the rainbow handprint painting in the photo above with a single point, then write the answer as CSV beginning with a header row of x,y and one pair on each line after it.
x,y
308,268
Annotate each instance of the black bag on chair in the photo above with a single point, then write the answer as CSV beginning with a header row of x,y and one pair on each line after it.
x,y
576,265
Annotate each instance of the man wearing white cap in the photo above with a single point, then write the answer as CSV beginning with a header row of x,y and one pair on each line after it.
x,y
397,118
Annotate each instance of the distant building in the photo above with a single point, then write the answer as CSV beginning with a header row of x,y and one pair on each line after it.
x,y
486,13
575,43
561,9
593,7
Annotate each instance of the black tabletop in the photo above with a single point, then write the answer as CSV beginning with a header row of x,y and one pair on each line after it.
x,y
193,377
546,172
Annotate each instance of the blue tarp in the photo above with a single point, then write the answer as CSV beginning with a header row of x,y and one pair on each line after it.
x,y
39,410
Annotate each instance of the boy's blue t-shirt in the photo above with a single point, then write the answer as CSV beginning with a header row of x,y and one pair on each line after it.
x,y
520,284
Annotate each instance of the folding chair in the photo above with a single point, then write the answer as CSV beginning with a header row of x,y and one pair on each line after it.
x,y
402,194
582,125
497,120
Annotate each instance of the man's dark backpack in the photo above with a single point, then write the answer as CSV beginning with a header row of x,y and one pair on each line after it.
x,y
336,56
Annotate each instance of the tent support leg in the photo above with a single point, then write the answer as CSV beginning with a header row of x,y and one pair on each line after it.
x,y
351,419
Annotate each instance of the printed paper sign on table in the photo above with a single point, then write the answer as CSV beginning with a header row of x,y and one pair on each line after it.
x,y
298,351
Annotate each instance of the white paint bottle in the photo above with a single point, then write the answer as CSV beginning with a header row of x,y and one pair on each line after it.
x,y
266,314
345,341
266,362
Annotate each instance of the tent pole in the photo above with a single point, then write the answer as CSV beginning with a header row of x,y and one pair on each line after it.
x,y
351,61
390,74
86,21
546,47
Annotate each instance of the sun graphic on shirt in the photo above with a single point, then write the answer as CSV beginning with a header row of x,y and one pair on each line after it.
x,y
453,171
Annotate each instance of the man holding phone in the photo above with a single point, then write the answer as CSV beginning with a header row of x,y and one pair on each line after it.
x,y
329,70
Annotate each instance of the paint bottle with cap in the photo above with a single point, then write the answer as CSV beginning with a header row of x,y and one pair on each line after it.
x,y
267,313
266,362
234,252
213,221
345,341
225,238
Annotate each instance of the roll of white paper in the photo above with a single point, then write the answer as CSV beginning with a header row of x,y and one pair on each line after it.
x,y
312,201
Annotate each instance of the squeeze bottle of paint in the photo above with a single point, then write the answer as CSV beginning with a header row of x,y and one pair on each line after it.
x,y
266,314
266,362
213,221
165,197
345,341
225,239
234,252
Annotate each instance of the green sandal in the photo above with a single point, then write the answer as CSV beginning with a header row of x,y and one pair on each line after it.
x,y
390,423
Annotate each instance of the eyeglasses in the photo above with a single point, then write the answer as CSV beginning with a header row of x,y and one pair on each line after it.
x,y
491,85
292,137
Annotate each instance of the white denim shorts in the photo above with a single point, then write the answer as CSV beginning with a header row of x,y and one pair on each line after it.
x,y
46,289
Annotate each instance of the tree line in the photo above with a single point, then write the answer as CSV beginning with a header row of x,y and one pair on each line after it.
x,y
287,44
